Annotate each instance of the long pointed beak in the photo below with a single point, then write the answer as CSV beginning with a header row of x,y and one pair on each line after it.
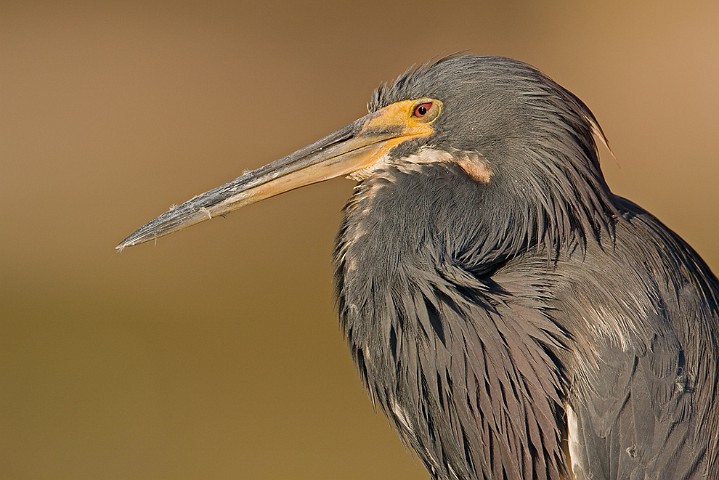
x,y
356,147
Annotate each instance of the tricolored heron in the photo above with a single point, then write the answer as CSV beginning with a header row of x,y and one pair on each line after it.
x,y
512,317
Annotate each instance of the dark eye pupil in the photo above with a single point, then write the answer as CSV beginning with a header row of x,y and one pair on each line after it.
x,y
422,109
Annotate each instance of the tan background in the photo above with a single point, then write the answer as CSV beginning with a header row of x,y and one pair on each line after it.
x,y
216,354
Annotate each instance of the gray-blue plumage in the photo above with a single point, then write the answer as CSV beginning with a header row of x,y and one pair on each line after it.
x,y
493,320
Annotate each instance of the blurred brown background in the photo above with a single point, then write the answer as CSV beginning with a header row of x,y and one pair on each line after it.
x,y
215,354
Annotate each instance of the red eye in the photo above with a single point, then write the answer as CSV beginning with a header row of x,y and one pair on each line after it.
x,y
422,109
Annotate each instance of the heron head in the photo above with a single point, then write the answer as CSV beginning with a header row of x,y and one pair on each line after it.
x,y
499,120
